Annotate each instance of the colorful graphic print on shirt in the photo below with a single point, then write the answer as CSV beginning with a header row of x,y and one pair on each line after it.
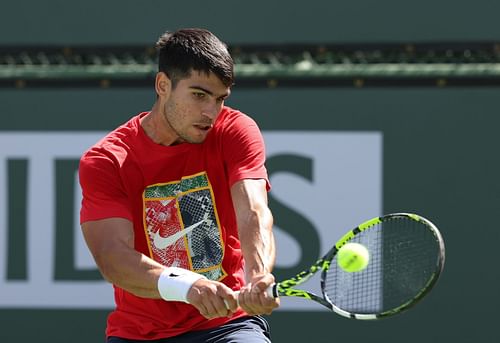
x,y
180,221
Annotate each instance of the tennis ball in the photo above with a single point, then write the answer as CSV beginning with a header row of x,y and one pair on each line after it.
x,y
353,257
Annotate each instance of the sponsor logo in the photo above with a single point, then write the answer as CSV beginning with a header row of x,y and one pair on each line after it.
x,y
164,242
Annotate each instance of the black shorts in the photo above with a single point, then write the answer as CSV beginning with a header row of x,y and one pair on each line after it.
x,y
253,329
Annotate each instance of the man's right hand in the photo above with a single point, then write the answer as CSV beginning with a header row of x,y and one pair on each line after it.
x,y
213,299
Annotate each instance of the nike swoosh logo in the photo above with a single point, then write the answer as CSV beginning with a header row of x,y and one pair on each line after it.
x,y
163,242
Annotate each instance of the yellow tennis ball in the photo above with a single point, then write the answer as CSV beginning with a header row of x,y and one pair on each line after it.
x,y
353,257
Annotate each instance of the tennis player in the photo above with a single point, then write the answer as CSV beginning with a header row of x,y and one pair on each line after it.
x,y
175,209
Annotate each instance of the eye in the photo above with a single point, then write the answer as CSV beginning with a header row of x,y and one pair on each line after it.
x,y
199,95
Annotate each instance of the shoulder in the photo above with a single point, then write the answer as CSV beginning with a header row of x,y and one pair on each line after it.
x,y
232,118
116,142
235,130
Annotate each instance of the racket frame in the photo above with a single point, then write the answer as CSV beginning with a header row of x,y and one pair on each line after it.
x,y
286,287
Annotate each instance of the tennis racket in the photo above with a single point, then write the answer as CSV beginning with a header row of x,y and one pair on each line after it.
x,y
407,256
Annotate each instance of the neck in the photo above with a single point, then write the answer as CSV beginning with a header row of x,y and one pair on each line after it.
x,y
157,128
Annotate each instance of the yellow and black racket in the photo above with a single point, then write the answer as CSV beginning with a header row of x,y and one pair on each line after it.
x,y
406,258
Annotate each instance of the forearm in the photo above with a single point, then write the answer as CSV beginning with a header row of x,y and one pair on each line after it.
x,y
111,242
255,223
143,277
131,271
257,244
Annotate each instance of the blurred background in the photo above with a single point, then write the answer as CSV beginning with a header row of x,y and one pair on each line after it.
x,y
367,107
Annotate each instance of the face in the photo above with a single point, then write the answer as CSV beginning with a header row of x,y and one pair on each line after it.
x,y
191,108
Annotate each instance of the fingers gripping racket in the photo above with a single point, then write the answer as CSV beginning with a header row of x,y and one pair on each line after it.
x,y
406,257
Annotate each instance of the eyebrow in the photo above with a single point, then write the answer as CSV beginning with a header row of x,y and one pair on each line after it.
x,y
225,95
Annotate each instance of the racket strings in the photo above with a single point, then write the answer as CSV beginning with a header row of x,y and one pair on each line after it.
x,y
403,259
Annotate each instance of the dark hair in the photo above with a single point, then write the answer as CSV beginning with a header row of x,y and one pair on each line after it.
x,y
185,50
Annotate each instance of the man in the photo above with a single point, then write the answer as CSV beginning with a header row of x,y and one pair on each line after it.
x,y
175,209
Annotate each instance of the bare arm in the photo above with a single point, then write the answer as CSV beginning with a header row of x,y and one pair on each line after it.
x,y
255,222
111,242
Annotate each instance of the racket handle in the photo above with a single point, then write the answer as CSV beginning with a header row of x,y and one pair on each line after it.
x,y
271,291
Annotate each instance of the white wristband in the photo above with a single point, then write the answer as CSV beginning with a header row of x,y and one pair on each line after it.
x,y
174,283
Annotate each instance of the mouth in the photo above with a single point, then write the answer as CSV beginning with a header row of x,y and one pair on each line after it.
x,y
203,127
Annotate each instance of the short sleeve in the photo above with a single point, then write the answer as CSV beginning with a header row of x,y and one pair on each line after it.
x,y
244,150
103,193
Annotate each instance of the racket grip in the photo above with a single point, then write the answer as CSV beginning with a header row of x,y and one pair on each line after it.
x,y
271,291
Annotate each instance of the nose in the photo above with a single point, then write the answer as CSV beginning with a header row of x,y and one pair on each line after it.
x,y
212,110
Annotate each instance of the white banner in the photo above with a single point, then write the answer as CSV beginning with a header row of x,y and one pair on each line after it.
x,y
345,189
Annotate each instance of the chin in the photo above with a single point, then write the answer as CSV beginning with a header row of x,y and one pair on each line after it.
x,y
196,140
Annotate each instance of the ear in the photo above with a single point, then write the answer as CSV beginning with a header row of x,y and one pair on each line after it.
x,y
162,84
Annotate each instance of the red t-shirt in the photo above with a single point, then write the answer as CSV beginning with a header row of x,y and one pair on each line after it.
x,y
164,190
